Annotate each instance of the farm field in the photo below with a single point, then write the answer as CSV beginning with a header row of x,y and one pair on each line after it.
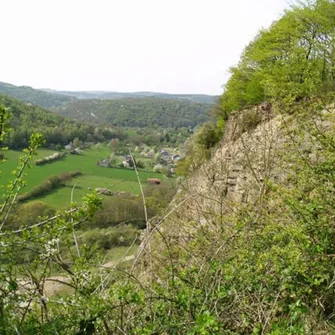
x,y
117,180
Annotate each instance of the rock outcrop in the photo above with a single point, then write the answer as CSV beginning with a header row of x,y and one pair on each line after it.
x,y
257,149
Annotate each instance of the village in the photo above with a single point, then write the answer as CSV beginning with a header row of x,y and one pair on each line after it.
x,y
162,161
145,158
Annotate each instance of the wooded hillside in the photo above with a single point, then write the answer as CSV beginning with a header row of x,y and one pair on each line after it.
x,y
247,245
57,130
139,112
202,98
33,96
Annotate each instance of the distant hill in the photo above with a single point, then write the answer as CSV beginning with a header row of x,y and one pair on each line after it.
x,y
203,98
138,112
56,129
139,109
33,96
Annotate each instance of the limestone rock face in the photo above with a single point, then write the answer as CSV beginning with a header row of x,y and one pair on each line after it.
x,y
257,148
247,157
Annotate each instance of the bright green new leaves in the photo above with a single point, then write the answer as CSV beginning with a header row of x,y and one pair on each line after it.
x,y
293,59
4,116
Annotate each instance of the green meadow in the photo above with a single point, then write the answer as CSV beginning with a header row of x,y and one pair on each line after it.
x,y
94,176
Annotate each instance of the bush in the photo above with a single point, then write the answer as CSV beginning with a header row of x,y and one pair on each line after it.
x,y
208,135
28,214
140,164
250,120
199,147
121,209
123,235
158,197
128,209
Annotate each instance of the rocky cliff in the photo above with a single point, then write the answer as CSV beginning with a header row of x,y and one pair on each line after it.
x,y
249,238
260,147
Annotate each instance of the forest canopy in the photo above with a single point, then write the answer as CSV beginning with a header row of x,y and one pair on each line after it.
x,y
293,59
57,130
138,112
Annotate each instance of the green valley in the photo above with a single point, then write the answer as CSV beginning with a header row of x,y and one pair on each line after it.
x,y
93,176
169,214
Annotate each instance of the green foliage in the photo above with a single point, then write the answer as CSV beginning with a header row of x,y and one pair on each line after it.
x,y
128,209
105,239
250,120
4,116
261,267
209,135
291,60
139,112
29,213
120,209
139,164
56,130
159,196
200,146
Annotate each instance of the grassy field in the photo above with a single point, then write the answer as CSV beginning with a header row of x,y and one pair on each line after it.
x,y
94,176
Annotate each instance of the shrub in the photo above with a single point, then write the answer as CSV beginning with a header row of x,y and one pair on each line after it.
x,y
129,209
28,214
250,120
140,164
123,235
208,135
199,147
121,209
158,197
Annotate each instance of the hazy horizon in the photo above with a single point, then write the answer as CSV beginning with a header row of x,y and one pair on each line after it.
x,y
106,91
130,46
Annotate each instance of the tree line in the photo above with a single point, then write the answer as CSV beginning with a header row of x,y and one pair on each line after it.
x,y
56,130
291,60
138,112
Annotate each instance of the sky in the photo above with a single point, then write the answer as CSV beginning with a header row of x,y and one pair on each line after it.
x,y
172,46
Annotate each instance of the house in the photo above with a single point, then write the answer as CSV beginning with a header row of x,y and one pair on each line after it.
x,y
150,154
128,161
76,151
153,181
165,155
171,168
176,158
105,163
68,146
